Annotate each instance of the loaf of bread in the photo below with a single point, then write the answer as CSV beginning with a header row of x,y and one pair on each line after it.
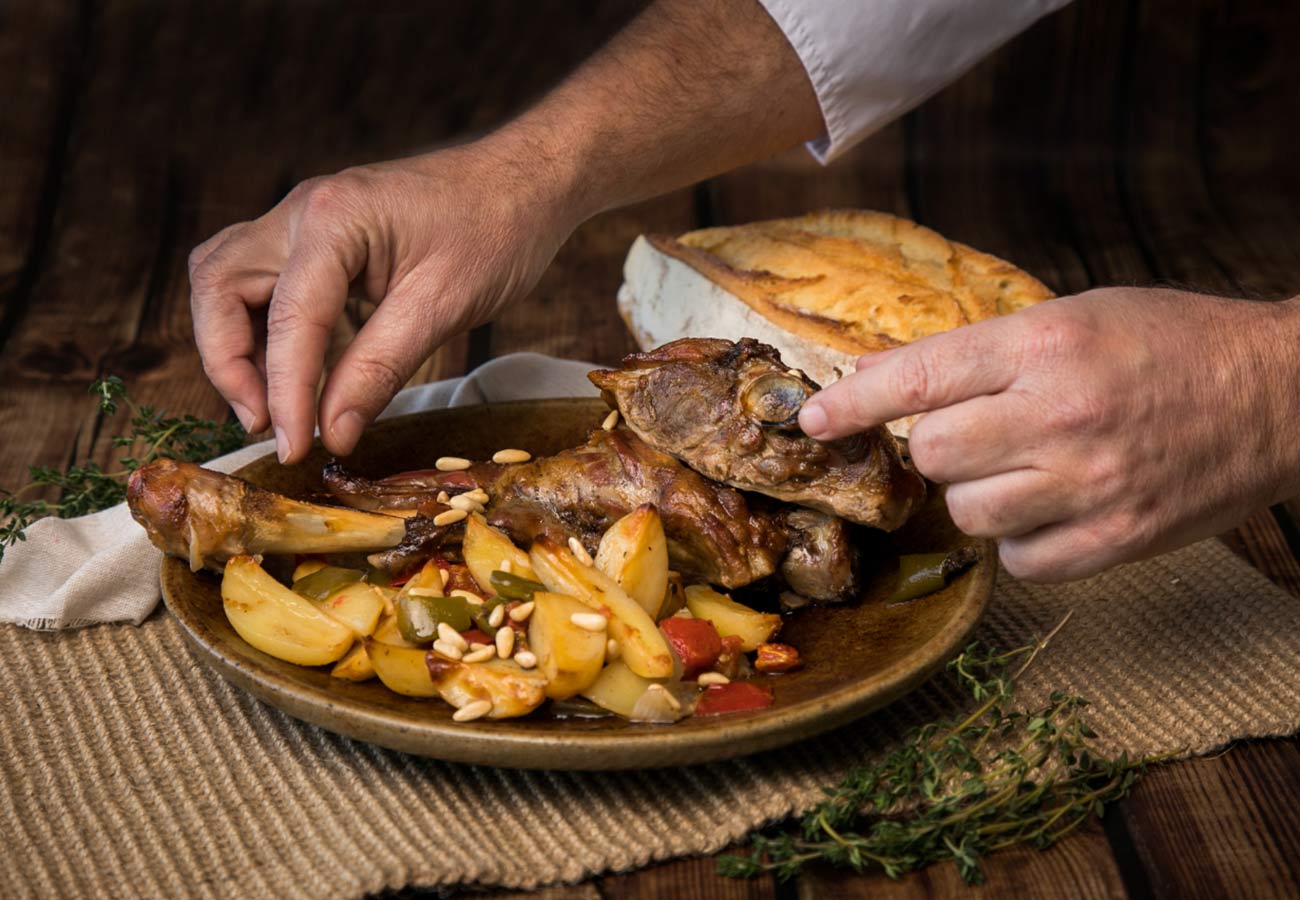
x,y
823,288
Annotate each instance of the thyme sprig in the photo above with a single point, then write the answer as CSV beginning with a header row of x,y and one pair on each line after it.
x,y
958,789
87,488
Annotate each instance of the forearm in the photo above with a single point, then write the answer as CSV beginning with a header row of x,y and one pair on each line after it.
x,y
689,89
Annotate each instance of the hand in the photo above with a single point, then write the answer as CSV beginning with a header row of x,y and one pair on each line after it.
x,y
439,241
1093,430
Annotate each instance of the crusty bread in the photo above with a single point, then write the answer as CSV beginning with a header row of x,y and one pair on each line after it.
x,y
822,288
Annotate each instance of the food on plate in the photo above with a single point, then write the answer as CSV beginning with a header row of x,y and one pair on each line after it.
x,y
730,411
596,580
822,288
206,517
714,533
924,573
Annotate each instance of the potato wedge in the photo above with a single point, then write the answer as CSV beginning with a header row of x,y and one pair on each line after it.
x,y
634,552
643,648
414,672
618,688
387,632
403,670
732,618
277,621
485,547
513,691
355,665
357,605
570,657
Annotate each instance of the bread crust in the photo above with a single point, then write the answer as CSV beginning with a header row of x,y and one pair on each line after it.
x,y
854,281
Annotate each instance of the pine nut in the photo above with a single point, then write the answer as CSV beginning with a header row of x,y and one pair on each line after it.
x,y
452,464
451,636
482,654
579,551
497,616
471,711
505,641
589,621
465,502
713,678
470,597
450,517
612,649
526,659
610,420
443,498
445,576
451,651
522,611
511,456
478,494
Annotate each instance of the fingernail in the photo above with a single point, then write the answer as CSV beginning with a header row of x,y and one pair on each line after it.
x,y
812,419
346,429
282,446
244,414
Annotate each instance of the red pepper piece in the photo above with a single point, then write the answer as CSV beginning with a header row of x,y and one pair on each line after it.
x,y
475,636
737,696
695,641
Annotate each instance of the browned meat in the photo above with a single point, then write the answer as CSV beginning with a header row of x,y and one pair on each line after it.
x,y
730,411
713,532
206,517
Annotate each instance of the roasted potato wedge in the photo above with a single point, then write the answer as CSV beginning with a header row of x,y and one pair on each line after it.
x,y
643,647
634,552
355,665
416,672
485,547
729,617
358,606
277,621
569,656
618,688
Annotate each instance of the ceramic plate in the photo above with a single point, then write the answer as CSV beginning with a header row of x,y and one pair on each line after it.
x,y
859,656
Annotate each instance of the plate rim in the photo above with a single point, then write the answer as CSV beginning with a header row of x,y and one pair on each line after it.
x,y
492,744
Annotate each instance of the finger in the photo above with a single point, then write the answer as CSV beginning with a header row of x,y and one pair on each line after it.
x,y
974,439
1010,504
867,360
929,374
396,340
308,299
205,249
227,283
1060,552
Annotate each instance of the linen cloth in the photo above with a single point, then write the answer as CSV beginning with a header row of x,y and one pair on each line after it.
x,y
870,61
101,568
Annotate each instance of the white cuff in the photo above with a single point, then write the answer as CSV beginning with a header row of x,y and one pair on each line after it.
x,y
870,61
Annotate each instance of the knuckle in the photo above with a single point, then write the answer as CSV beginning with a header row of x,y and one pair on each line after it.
x,y
1054,337
1081,411
328,197
925,445
378,374
912,380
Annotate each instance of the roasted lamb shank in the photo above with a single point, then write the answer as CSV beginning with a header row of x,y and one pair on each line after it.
x,y
730,412
715,533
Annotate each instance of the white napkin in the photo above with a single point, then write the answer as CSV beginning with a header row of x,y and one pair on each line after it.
x,y
101,568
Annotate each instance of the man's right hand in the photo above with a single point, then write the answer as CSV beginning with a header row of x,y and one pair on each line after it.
x,y
440,242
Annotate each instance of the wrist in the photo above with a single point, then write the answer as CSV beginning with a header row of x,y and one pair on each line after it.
x,y
1282,382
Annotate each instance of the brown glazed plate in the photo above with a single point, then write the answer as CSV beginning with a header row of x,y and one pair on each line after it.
x,y
858,656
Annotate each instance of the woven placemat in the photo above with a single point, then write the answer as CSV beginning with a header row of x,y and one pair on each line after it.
x,y
130,769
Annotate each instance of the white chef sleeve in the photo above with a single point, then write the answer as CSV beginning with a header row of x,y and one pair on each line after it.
x,y
870,61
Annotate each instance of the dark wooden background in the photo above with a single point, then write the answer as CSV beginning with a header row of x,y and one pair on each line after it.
x,y
1115,142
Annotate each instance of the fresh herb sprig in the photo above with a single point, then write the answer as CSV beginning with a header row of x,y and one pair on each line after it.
x,y
87,488
958,789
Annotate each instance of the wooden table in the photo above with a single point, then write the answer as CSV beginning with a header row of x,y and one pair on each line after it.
x,y
1113,143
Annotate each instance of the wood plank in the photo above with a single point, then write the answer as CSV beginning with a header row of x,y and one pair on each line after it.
x,y
685,879
1081,866
39,45
1221,827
